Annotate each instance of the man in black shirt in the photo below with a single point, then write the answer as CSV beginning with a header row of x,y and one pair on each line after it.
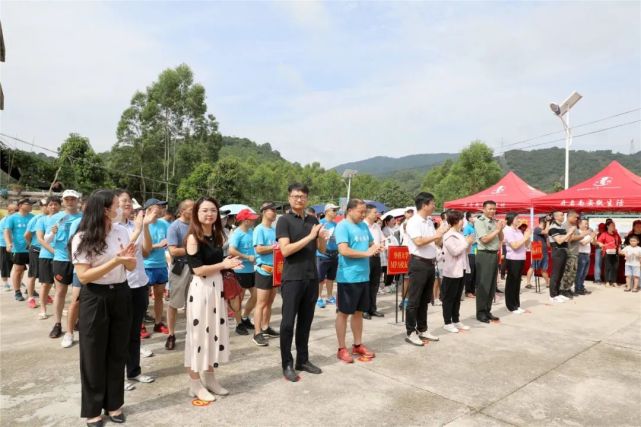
x,y
559,236
299,236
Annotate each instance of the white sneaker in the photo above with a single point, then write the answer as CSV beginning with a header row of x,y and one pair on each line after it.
x,y
438,302
559,299
143,379
554,300
67,340
414,339
427,336
145,352
451,328
516,311
43,316
563,297
521,311
8,287
462,327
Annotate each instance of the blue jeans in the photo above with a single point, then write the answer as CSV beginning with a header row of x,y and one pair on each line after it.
x,y
597,264
582,267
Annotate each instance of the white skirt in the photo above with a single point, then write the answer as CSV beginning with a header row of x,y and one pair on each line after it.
x,y
207,342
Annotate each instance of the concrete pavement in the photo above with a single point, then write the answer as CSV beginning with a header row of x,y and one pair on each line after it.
x,y
577,363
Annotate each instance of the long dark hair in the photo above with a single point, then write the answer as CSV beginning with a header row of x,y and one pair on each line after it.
x,y
93,224
196,228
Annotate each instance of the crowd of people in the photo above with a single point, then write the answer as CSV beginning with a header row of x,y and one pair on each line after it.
x,y
116,257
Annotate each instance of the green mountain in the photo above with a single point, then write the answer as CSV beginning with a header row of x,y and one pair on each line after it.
x,y
243,148
382,165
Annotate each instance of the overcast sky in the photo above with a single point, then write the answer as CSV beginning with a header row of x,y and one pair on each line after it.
x,y
331,82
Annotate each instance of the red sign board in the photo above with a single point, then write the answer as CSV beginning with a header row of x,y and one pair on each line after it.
x,y
398,260
279,260
537,251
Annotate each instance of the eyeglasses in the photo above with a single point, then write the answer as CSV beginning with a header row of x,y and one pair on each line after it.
x,y
299,197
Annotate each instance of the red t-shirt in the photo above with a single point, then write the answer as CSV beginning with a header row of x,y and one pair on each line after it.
x,y
610,241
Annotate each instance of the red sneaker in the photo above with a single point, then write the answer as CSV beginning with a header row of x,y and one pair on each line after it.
x,y
361,350
344,355
49,300
31,303
160,327
143,333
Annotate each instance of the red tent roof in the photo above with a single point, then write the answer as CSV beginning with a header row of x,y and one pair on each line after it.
x,y
615,188
511,193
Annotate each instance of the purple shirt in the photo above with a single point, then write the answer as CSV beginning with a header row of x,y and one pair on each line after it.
x,y
512,234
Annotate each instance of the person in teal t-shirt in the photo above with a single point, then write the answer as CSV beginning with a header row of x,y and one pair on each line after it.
x,y
6,260
470,278
264,243
34,251
14,229
156,262
355,247
241,244
327,261
45,257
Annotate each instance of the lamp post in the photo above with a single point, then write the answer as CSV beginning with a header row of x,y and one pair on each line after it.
x,y
563,112
349,174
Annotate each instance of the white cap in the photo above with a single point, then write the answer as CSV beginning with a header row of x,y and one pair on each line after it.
x,y
70,193
330,206
135,204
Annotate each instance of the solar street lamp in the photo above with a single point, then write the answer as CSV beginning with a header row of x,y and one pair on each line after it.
x,y
349,174
563,112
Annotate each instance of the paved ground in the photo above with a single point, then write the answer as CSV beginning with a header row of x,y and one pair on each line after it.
x,y
574,364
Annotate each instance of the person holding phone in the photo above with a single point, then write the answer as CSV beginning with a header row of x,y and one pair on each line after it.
x,y
102,254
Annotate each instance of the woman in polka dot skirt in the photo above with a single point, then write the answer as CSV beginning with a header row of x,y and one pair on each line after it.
x,y
207,342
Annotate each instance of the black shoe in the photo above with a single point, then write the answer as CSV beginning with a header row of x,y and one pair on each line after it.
x,y
290,374
309,367
580,292
76,326
241,329
260,340
56,332
492,317
36,294
271,333
248,323
98,423
568,294
483,319
19,296
118,419
170,344
586,292
377,314
367,316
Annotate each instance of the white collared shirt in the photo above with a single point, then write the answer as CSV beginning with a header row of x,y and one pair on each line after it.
x,y
137,278
417,226
376,231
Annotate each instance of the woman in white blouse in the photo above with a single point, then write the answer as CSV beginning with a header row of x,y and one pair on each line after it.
x,y
102,254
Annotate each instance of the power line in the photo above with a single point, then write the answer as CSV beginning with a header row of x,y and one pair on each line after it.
x,y
580,135
503,146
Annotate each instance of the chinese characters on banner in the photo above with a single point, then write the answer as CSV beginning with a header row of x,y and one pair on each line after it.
x,y
537,251
279,260
398,260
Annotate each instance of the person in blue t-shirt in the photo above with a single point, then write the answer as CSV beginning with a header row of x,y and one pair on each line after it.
x,y
355,247
156,261
33,245
327,261
6,261
57,233
264,243
241,244
14,230
470,278
45,257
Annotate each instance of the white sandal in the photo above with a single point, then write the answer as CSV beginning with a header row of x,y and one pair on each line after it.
x,y
129,386
143,379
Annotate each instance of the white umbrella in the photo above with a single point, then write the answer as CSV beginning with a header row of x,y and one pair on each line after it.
x,y
399,211
235,208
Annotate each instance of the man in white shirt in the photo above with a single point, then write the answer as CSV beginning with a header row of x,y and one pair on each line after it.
x,y
375,269
422,247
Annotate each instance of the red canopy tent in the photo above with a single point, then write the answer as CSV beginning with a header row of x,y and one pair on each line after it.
x,y
511,193
615,188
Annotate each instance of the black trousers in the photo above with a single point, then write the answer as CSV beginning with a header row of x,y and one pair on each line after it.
x,y
611,268
470,278
299,302
105,322
487,266
513,284
419,294
559,258
452,289
374,281
139,304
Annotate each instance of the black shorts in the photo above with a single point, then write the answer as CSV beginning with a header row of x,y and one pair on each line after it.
x,y
45,271
263,282
34,253
21,258
5,262
246,280
326,268
63,272
352,297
